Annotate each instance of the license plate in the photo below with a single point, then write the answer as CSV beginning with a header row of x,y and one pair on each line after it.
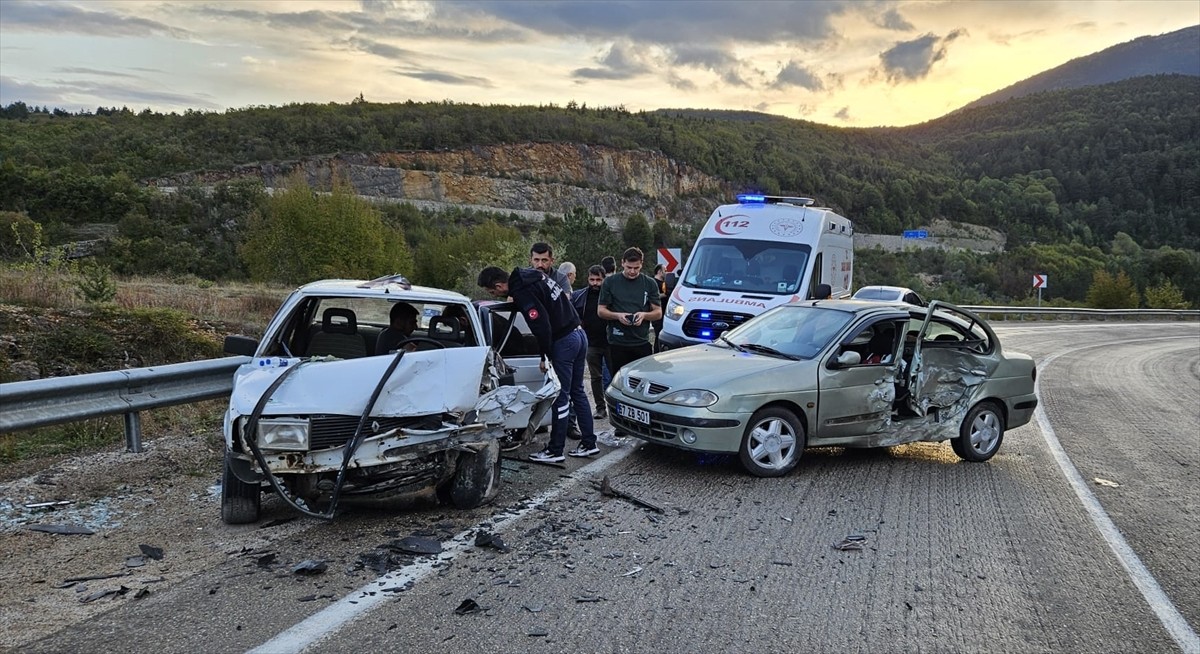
x,y
633,413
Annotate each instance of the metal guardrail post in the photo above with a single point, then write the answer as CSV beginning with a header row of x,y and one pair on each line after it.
x,y
133,432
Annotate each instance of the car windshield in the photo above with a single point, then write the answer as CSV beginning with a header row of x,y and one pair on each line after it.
x,y
749,266
794,331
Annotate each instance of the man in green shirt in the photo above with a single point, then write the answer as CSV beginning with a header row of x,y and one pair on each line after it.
x,y
630,302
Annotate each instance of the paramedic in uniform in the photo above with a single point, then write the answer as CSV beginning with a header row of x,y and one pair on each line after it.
x,y
553,320
630,302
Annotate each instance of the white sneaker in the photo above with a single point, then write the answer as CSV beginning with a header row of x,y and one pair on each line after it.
x,y
546,456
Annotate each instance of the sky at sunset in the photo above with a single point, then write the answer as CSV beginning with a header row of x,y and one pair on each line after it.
x,y
840,62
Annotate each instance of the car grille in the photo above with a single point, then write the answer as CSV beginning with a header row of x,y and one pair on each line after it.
x,y
655,430
652,389
699,324
335,431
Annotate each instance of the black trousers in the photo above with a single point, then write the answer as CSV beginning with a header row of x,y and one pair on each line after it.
x,y
619,355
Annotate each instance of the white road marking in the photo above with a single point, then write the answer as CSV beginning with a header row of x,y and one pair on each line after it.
x,y
358,603
1175,624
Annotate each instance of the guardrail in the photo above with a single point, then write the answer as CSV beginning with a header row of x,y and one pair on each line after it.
x,y
44,402
1076,312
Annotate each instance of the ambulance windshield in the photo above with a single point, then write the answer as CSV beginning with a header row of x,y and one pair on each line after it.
x,y
728,264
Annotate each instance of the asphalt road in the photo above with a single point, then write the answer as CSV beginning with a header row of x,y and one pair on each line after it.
x,y
1025,553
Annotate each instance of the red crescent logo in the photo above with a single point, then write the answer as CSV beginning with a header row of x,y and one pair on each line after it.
x,y
533,314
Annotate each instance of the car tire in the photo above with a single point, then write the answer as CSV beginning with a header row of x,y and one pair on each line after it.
x,y
981,433
477,477
773,442
240,502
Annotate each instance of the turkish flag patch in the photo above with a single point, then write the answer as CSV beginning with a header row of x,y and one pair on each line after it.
x,y
533,314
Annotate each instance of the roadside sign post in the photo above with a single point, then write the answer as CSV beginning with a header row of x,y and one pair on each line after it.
x,y
669,259
1039,282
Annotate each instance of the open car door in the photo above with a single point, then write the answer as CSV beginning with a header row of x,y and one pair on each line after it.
x,y
505,329
947,358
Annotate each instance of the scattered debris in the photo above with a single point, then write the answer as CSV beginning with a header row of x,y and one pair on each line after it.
x,y
140,593
49,505
135,561
609,438
1105,482
416,545
552,464
151,551
785,518
266,560
468,606
589,598
310,567
606,489
853,542
538,633
537,608
61,529
276,522
107,592
633,572
488,539
75,580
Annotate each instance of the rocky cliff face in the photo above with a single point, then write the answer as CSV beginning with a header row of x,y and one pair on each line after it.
x,y
552,178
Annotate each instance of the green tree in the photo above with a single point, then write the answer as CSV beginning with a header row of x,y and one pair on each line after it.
x,y
1109,292
453,258
1165,295
304,236
637,234
585,240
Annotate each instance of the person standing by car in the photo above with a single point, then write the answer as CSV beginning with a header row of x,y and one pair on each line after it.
x,y
542,258
657,325
554,322
585,301
630,302
568,270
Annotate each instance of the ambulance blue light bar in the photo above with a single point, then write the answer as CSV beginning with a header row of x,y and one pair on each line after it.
x,y
758,198
751,198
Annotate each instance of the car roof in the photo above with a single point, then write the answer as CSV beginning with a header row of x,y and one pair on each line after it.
x,y
898,289
859,306
389,290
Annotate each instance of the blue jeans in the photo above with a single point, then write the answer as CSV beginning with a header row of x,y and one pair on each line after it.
x,y
569,359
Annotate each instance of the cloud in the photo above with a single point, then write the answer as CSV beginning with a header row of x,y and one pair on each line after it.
x,y
892,20
442,77
794,74
93,71
74,95
843,114
680,83
912,60
381,49
622,61
61,18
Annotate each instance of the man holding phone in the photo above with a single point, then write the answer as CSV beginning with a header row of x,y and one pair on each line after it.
x,y
630,302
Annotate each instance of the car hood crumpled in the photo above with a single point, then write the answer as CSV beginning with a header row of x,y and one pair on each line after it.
x,y
704,366
424,383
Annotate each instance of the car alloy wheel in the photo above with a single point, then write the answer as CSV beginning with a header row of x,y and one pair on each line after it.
x,y
773,442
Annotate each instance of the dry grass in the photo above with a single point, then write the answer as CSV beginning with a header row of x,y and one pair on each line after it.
x,y
243,307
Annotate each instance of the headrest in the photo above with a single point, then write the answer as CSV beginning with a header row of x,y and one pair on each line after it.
x,y
445,328
881,343
336,320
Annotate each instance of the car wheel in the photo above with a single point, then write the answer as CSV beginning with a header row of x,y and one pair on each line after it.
x,y
240,502
773,443
981,433
477,477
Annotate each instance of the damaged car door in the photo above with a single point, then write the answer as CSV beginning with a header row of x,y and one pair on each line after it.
x,y
858,384
950,360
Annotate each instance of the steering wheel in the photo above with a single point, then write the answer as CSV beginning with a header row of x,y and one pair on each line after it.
x,y
420,339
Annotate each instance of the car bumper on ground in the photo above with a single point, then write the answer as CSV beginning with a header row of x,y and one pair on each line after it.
x,y
685,428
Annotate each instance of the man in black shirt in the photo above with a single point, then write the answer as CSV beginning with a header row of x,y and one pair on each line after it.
x,y
597,351
553,320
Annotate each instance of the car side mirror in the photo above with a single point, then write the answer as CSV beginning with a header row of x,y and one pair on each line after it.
x,y
848,358
240,345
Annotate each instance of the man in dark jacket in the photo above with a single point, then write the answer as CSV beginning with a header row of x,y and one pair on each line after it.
x,y
597,351
553,320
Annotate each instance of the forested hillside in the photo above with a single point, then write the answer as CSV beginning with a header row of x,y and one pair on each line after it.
x,y
1094,179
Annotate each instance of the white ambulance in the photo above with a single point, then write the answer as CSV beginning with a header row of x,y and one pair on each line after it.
x,y
754,255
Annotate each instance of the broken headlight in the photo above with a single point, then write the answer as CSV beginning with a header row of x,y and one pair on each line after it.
x,y
283,434
692,397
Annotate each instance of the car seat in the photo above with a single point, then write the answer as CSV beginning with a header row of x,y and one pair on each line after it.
x,y
879,349
339,335
446,330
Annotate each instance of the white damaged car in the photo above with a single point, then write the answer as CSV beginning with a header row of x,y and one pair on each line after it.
x,y
336,403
